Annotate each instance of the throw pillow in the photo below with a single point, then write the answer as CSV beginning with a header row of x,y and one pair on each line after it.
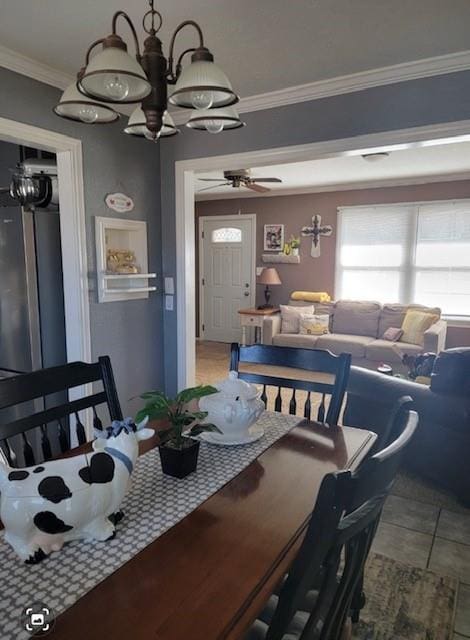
x,y
314,325
415,324
290,317
392,334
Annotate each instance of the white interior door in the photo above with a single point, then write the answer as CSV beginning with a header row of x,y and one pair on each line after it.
x,y
227,274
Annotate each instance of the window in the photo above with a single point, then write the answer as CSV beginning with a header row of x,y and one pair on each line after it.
x,y
227,234
407,253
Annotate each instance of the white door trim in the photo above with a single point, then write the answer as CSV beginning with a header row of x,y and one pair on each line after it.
x,y
234,216
184,209
72,230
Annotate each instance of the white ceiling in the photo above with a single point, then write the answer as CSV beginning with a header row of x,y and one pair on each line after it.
x,y
402,166
263,45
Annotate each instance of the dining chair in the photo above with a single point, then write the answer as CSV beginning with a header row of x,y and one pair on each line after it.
x,y
314,600
312,360
49,431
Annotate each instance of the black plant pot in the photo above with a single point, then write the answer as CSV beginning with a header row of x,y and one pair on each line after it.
x,y
179,463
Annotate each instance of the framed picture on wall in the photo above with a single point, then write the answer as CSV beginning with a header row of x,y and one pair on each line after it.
x,y
273,237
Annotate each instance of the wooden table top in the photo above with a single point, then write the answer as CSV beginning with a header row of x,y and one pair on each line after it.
x,y
208,576
259,312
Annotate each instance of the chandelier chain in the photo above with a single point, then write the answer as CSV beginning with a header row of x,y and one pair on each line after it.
x,y
152,13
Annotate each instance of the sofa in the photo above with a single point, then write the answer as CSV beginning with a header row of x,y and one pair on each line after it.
x,y
357,327
440,449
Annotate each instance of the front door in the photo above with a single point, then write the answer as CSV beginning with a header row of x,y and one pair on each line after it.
x,y
228,274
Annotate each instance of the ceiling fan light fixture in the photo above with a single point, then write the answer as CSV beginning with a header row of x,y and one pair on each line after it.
x,y
215,120
73,105
137,125
202,84
113,75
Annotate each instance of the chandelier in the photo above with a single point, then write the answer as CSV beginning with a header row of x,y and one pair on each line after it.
x,y
112,76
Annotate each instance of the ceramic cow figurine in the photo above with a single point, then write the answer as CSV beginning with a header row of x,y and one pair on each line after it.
x,y
70,499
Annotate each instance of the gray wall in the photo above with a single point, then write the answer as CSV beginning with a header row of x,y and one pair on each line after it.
x,y
408,104
130,332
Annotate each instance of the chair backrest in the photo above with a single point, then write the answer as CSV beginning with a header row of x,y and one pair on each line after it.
x,y
314,360
48,431
345,517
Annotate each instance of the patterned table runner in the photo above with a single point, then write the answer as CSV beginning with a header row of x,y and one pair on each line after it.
x,y
154,504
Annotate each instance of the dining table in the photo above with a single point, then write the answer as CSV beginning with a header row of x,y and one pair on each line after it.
x,y
209,575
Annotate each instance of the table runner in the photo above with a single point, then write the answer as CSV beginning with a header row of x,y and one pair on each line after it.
x,y
154,504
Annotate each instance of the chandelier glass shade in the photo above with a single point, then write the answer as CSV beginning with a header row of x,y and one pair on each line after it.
x,y
137,125
73,105
203,85
215,120
114,76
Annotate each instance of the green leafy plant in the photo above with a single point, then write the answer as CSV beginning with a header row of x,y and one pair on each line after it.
x,y
294,242
182,420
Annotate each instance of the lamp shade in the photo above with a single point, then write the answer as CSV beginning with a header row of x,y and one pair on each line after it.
x,y
269,276
203,85
215,120
137,125
114,76
73,105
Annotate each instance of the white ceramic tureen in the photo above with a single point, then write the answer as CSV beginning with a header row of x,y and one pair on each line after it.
x,y
235,407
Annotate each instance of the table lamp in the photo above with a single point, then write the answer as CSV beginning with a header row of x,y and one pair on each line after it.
x,y
269,276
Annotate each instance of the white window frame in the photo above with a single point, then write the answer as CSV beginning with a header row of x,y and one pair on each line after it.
x,y
406,284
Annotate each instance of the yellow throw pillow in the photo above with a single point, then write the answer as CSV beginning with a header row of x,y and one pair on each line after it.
x,y
314,325
415,323
310,296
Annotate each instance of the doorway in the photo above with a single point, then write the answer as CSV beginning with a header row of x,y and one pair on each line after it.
x,y
184,205
68,152
227,254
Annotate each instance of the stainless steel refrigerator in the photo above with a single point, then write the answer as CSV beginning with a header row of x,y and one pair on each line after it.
x,y
32,324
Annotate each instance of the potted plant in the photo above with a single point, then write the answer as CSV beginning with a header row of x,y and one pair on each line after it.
x,y
178,449
294,245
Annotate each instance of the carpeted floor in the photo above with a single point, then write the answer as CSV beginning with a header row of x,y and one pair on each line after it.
x,y
405,603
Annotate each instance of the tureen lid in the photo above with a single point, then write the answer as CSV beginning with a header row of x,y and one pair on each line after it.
x,y
234,388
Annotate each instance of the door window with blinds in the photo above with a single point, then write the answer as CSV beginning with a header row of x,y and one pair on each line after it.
x,y
406,253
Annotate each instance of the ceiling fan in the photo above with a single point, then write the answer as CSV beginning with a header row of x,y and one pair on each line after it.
x,y
239,178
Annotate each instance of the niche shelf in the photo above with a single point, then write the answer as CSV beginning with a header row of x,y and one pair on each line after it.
x,y
280,257
122,235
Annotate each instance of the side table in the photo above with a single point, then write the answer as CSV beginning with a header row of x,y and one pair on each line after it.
x,y
255,318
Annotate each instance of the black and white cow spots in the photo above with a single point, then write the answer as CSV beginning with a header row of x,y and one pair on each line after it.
x,y
53,488
38,469
18,475
48,522
100,470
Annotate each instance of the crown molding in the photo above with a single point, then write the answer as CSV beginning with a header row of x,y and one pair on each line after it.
x,y
439,65
427,67
19,63
349,186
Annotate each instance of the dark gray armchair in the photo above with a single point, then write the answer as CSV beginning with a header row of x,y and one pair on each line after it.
x,y
440,451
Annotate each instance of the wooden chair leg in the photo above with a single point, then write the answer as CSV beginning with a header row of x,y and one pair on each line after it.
x,y
346,633
358,601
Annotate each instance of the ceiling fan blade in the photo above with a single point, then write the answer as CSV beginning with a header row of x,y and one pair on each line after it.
x,y
210,179
256,187
266,179
214,186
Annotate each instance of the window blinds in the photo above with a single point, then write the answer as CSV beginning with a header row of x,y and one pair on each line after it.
x,y
416,252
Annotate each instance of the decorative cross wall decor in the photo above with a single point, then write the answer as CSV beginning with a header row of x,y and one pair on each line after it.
x,y
315,232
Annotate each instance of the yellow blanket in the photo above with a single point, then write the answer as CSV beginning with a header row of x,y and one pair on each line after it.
x,y
311,296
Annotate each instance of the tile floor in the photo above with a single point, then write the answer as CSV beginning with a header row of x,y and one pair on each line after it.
x,y
432,532
430,537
